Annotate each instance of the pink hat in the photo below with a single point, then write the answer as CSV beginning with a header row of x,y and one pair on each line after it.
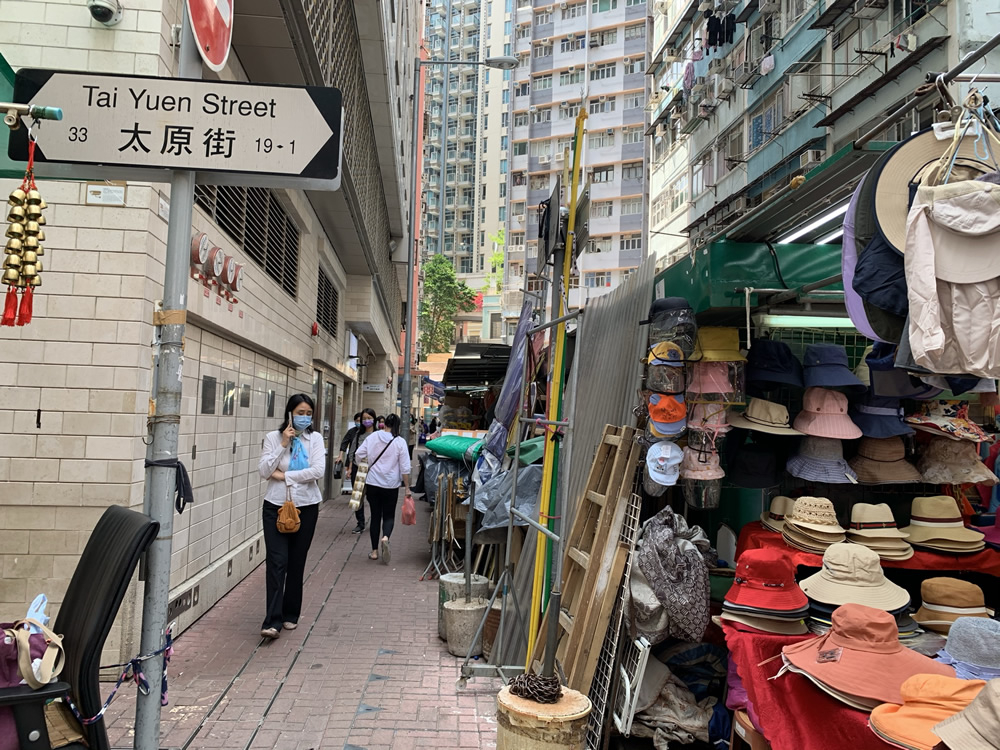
x,y
824,414
711,377
697,465
709,417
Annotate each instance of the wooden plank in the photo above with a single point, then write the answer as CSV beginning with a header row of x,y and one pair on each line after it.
x,y
597,498
580,557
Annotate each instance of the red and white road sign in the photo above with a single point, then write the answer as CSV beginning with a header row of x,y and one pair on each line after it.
x,y
212,21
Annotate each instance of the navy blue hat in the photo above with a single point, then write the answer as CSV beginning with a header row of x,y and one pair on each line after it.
x,y
879,417
771,364
826,367
888,380
666,305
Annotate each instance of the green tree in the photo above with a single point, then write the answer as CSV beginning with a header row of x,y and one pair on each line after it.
x,y
494,279
443,296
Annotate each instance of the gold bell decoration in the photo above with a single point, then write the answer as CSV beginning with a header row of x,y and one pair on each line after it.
x,y
22,268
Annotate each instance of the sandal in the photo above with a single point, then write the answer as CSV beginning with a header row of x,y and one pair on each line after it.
x,y
384,549
373,555
269,633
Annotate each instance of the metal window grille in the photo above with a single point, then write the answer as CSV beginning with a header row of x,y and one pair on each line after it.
x,y
327,304
255,220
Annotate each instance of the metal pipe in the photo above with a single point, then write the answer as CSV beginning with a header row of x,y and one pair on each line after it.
x,y
166,422
967,77
563,423
470,519
534,524
948,77
786,294
556,321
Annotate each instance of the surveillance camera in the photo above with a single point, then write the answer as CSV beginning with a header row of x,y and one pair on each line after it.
x,y
107,12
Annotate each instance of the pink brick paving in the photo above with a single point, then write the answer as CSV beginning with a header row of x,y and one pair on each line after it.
x,y
364,669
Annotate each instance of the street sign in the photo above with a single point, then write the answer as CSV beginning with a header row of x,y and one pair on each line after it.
x,y
582,228
290,132
212,23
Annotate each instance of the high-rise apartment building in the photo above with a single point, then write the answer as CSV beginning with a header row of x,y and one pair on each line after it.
x,y
579,54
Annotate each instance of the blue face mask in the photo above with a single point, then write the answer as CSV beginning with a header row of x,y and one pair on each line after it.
x,y
301,421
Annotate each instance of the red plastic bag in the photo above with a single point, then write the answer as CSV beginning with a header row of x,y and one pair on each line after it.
x,y
409,511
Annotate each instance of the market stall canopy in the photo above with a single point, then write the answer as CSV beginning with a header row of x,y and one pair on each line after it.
x,y
476,364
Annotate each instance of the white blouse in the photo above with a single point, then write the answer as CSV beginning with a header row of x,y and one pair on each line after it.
x,y
303,483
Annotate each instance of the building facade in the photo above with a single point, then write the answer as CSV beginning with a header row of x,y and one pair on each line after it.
x,y
319,310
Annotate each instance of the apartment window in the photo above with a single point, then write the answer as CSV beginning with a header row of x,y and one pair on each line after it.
x,y
598,107
595,279
571,45
659,211
505,117
602,209
601,38
542,50
523,32
542,115
541,83
603,6
631,206
465,264
503,189
574,281
569,111
523,3
542,16
638,31
630,242
794,10
570,77
503,166
604,173
633,101
535,285
631,135
574,11
605,70
564,143
730,148
517,208
520,148
502,213
632,171
517,239
327,304
678,193
599,245
630,3
505,98
632,67
602,140
766,119
541,148
519,179
522,89
538,182
520,119
523,61
256,221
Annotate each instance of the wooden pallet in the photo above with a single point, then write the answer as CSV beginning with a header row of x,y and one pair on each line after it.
x,y
594,558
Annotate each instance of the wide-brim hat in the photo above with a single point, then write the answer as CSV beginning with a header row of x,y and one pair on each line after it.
x,y
824,414
771,364
879,417
821,460
874,521
945,461
852,574
927,700
765,578
717,344
815,513
774,517
889,381
944,600
949,418
866,642
975,641
780,627
825,366
883,461
822,537
764,416
977,727
849,260
938,519
955,548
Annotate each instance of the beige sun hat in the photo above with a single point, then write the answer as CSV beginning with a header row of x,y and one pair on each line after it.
x,y
873,521
938,519
852,574
815,513
764,416
774,517
977,727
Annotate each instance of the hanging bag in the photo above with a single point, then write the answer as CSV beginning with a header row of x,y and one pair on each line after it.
x,y
361,480
288,515
409,516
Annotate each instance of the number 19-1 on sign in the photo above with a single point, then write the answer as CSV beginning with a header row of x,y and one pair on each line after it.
x,y
267,145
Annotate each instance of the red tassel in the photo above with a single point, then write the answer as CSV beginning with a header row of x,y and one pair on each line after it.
x,y
10,308
24,314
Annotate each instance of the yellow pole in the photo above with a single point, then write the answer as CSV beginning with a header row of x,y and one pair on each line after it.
x,y
555,395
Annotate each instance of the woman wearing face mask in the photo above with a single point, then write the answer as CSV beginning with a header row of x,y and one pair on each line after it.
x,y
345,444
367,428
388,462
293,461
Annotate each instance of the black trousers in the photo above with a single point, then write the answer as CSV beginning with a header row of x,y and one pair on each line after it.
x,y
382,503
286,564
360,512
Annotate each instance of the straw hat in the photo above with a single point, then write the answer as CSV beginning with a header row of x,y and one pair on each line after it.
x,y
866,643
816,514
883,461
718,345
824,414
978,726
852,574
945,461
764,416
927,700
796,539
938,518
821,460
944,600
873,521
774,518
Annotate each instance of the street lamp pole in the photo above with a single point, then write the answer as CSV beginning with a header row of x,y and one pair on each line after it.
x,y
505,62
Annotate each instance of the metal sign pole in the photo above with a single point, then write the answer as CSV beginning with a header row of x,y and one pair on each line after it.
x,y
166,422
406,385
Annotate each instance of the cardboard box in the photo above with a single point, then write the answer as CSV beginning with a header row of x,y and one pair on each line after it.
x,y
745,736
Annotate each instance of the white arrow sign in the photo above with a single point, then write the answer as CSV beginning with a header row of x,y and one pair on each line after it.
x,y
181,124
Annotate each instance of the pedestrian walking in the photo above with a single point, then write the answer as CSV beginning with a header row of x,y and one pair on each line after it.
x,y
293,460
388,462
367,428
345,444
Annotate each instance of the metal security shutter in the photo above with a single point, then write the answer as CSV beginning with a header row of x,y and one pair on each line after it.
x,y
327,304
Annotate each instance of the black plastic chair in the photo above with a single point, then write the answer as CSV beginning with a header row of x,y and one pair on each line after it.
x,y
85,617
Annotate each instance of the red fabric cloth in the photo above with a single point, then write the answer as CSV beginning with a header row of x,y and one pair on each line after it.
x,y
755,536
795,715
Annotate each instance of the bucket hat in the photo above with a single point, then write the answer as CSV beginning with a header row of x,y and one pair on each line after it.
x,y
862,642
879,416
765,579
821,460
938,518
949,418
774,517
883,461
710,377
927,700
945,461
977,727
825,366
874,521
718,345
667,413
887,380
824,414
944,600
814,514
709,417
974,641
663,461
764,416
698,465
771,364
852,574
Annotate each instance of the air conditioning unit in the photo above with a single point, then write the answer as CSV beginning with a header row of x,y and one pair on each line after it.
x,y
654,100
662,7
572,68
519,217
699,83
592,66
571,36
810,159
610,131
626,60
563,104
725,87
544,41
602,98
671,54
716,65
770,7
869,8
560,156
532,109
661,130
745,73
563,6
738,205
545,159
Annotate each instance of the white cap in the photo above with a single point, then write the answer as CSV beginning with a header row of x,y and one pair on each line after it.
x,y
663,461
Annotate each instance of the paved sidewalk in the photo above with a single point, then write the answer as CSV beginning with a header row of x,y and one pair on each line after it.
x,y
364,669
